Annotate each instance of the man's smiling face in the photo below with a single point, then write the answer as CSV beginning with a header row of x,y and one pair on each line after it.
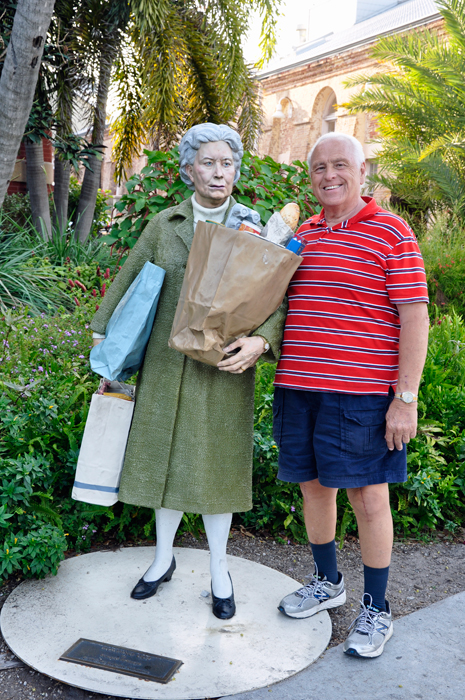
x,y
336,176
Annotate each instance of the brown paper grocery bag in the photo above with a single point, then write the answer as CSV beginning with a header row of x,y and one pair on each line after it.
x,y
234,281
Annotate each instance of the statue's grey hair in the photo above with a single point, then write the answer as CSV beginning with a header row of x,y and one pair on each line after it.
x,y
357,147
203,133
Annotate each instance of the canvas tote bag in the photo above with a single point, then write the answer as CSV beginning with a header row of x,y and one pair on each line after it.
x,y
234,281
101,458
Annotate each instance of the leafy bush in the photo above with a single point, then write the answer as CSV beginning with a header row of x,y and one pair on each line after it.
x,y
434,495
442,247
16,209
102,208
35,541
25,279
46,386
264,185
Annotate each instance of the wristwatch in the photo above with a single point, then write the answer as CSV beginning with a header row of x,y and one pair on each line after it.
x,y
266,345
406,396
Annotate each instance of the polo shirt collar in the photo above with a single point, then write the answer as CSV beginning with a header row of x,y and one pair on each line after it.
x,y
365,213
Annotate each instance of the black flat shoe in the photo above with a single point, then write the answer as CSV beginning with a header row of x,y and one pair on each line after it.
x,y
146,589
224,608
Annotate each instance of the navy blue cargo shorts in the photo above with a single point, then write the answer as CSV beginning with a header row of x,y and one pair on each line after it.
x,y
335,438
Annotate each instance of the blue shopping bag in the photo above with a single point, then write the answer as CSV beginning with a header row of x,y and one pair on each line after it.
x,y
122,352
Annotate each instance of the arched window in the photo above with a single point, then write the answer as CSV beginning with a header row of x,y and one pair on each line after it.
x,y
329,115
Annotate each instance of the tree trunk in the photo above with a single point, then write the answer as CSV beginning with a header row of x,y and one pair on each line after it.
x,y
61,195
91,182
18,79
37,187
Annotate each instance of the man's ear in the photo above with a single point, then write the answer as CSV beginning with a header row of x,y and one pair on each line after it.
x,y
363,172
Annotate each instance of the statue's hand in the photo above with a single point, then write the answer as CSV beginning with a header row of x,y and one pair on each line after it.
x,y
250,350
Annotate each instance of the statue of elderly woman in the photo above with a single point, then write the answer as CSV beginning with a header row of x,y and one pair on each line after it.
x,y
191,440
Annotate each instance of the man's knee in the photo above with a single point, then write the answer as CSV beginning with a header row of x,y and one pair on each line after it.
x,y
313,490
369,502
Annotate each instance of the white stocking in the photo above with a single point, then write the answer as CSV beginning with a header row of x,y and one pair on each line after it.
x,y
217,528
167,523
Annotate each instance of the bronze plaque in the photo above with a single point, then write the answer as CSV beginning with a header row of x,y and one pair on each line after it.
x,y
149,667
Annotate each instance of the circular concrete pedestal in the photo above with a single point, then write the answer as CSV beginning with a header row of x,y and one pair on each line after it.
x,y
89,598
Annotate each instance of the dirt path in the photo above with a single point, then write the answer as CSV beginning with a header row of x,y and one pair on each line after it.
x,y
421,574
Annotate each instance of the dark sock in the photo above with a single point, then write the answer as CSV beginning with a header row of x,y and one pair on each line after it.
x,y
375,585
325,560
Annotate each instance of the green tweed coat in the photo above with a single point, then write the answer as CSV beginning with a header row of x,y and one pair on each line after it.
x,y
190,444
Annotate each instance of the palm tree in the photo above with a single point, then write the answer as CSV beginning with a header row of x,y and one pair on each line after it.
x,y
420,100
18,79
190,69
101,27
180,62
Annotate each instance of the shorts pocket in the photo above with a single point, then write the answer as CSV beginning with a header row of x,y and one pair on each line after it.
x,y
363,432
278,416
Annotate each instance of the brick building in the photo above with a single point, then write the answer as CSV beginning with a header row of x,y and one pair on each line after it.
x,y
300,92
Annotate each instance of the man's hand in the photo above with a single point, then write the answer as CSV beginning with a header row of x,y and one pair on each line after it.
x,y
96,341
401,423
250,350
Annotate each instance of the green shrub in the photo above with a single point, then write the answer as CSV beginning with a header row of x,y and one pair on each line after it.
x,y
46,385
102,207
443,250
16,209
26,279
35,541
264,185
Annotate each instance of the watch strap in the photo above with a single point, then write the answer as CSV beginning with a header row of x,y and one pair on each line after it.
x,y
400,395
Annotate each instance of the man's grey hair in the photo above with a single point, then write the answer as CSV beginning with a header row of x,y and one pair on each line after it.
x,y
203,133
357,147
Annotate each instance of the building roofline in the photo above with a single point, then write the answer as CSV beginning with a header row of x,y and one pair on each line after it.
x,y
347,47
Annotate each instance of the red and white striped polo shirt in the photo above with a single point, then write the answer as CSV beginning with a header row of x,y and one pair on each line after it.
x,y
342,328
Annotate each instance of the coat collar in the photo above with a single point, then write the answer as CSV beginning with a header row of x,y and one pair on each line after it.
x,y
183,217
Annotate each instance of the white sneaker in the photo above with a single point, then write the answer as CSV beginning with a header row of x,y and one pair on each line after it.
x,y
315,596
370,631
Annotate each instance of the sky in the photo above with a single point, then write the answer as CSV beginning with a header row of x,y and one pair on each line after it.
x,y
319,17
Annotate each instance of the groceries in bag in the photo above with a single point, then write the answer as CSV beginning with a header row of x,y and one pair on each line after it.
x,y
234,281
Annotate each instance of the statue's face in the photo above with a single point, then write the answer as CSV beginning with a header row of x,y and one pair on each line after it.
x,y
212,174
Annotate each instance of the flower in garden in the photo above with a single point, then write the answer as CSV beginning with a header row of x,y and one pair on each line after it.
x,y
71,283
103,290
292,509
106,274
76,301
94,292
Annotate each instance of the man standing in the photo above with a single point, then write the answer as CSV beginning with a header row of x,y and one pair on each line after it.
x,y
345,404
